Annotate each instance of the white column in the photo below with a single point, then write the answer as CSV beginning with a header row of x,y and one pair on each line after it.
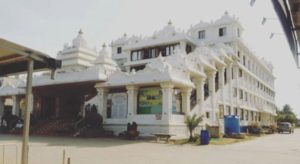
x,y
221,82
186,100
167,96
221,77
199,83
102,95
229,82
212,92
14,104
182,45
236,77
132,92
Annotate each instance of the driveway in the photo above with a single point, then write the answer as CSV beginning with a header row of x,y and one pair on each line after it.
x,y
271,149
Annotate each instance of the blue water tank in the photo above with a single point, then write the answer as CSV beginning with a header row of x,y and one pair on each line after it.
x,y
204,137
232,124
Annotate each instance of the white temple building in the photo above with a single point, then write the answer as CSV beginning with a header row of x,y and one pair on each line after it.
x,y
157,80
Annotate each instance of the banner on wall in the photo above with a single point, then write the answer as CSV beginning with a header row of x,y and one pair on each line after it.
x,y
150,101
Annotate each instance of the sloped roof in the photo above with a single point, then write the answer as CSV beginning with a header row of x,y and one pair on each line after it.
x,y
14,57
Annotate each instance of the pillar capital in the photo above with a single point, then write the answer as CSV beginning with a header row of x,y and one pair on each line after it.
x,y
235,63
167,85
186,90
221,68
132,87
102,90
229,65
199,79
211,74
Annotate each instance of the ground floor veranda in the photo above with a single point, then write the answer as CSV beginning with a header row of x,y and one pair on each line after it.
x,y
156,108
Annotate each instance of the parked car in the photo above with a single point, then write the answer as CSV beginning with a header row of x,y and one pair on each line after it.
x,y
285,127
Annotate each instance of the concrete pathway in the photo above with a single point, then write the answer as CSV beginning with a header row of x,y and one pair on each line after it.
x,y
271,149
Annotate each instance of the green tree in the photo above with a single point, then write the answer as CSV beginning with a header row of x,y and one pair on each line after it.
x,y
286,115
287,109
192,122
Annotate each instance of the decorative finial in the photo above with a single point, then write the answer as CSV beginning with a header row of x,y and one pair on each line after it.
x,y
80,32
170,22
103,45
226,12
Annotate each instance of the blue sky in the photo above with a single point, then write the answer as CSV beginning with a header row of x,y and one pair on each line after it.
x,y
47,25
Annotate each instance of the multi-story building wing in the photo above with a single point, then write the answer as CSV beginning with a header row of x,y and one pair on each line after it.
x,y
226,77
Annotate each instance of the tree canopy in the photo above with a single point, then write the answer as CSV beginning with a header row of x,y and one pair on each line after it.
x,y
286,115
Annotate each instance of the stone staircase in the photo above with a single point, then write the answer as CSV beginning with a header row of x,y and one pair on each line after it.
x,y
56,127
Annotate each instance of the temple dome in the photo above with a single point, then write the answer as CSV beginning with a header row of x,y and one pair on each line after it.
x,y
79,41
168,31
104,57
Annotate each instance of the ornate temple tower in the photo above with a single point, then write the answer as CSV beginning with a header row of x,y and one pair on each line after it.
x,y
78,56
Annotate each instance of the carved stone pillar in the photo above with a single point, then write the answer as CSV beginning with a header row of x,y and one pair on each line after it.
x,y
199,83
229,82
212,93
102,95
167,97
14,105
186,100
132,92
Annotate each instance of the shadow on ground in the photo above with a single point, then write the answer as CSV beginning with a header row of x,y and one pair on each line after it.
x,y
74,142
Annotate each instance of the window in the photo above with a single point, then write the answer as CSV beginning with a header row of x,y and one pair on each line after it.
x,y
236,111
151,52
240,73
119,50
249,65
228,110
207,114
235,92
201,34
188,48
238,32
242,114
225,76
222,31
244,60
246,96
241,94
134,56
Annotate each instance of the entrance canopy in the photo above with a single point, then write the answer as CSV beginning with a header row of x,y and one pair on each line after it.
x,y
14,59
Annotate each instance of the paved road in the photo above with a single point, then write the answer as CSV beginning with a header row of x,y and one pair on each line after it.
x,y
272,149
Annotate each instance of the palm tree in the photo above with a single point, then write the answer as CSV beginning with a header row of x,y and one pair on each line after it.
x,y
192,122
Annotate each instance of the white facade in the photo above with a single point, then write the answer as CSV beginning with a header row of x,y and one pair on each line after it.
x,y
222,73
207,71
